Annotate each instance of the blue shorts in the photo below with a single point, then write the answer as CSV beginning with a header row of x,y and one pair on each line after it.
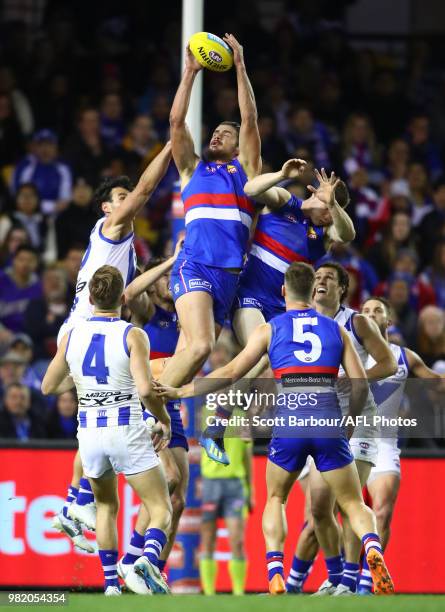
x,y
190,276
328,453
245,299
178,438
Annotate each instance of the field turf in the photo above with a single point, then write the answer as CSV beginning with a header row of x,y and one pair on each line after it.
x,y
256,603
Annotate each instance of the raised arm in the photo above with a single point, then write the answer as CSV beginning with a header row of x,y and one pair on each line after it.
x,y
182,143
418,367
136,199
263,187
249,137
377,347
230,373
57,379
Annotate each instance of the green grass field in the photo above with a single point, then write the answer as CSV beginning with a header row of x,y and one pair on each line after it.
x,y
228,603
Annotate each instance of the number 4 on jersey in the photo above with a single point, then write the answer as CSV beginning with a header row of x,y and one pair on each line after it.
x,y
94,362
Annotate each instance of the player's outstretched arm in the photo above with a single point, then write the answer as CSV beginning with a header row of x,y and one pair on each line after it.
x,y
249,137
57,379
418,367
263,187
377,347
355,371
136,199
136,296
183,148
230,373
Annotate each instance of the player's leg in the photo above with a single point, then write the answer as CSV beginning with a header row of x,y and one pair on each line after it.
x,y
279,483
211,496
351,543
233,506
345,485
151,487
84,508
178,498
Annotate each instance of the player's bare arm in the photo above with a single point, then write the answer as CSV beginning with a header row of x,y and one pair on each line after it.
x,y
183,149
355,371
233,371
418,367
139,347
249,136
57,379
119,220
263,187
377,347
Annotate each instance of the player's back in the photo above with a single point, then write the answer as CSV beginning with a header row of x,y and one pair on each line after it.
x,y
101,251
163,333
218,215
99,361
305,353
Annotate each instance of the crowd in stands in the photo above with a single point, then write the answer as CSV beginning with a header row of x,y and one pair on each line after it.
x,y
85,93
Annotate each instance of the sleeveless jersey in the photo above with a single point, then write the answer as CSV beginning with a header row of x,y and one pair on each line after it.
x,y
99,361
218,215
305,353
162,331
281,237
101,251
345,318
388,393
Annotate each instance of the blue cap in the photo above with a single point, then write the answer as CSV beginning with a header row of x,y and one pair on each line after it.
x,y
43,135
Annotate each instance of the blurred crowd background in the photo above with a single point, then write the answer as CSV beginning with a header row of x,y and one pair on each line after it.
x,y
85,92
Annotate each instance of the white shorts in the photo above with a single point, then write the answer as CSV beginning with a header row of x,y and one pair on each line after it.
x,y
388,460
364,449
126,449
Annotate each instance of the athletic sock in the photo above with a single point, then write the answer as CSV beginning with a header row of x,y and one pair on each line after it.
x,y
155,540
70,498
298,573
335,569
135,548
238,571
108,558
371,540
208,569
350,575
365,582
275,563
85,493
161,564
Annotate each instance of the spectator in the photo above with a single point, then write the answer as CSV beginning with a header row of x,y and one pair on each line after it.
x,y
430,229
27,215
52,178
140,145
19,418
272,149
365,206
71,266
435,274
423,150
22,345
62,420
398,158
85,150
304,131
431,335
18,286
112,127
405,314
346,255
74,224
398,235
359,146
13,369
160,113
15,238
44,315
20,103
419,192
11,138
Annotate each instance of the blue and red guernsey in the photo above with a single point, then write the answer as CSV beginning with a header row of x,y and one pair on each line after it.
x,y
218,215
305,353
281,237
162,331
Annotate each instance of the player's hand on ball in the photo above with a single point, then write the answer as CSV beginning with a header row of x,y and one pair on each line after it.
x,y
190,61
238,53
326,189
293,168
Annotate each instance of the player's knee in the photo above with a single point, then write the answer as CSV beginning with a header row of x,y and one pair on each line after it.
x,y
178,503
173,478
320,513
383,513
201,348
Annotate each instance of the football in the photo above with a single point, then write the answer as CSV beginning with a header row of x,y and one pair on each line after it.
x,y
211,51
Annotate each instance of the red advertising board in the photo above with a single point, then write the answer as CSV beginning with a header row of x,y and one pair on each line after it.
x,y
32,489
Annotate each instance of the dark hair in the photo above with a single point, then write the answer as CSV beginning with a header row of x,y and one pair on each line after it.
x,y
342,194
379,298
342,275
26,248
236,126
299,279
31,186
17,385
103,192
106,287
155,261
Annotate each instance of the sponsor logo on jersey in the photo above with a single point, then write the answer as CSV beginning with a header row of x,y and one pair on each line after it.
x,y
291,218
311,233
195,283
176,288
210,169
231,169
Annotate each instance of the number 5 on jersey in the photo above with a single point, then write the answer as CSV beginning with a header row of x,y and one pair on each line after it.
x,y
309,355
94,361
